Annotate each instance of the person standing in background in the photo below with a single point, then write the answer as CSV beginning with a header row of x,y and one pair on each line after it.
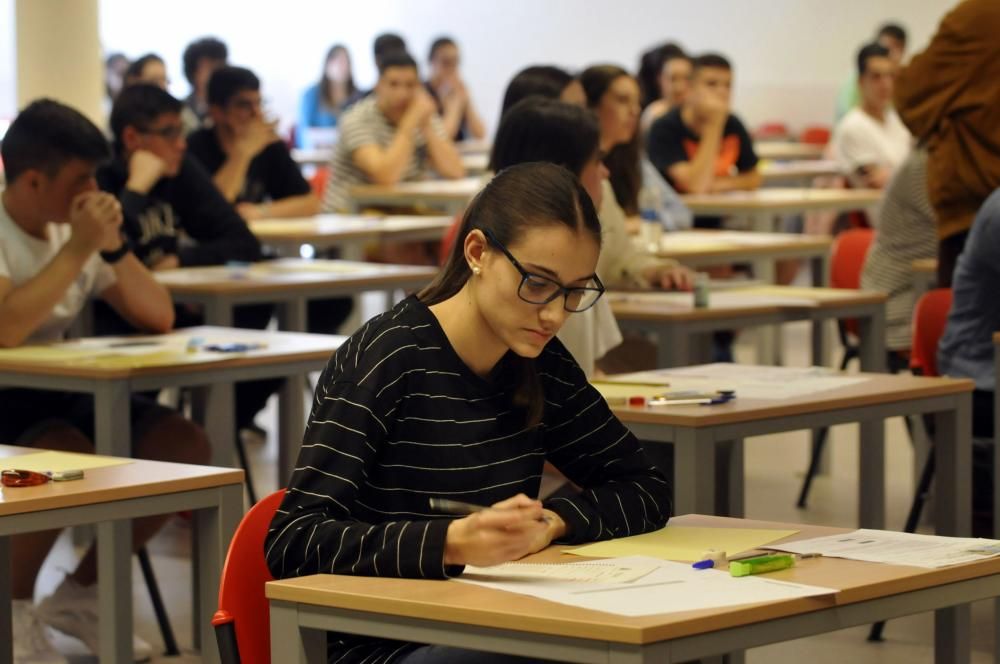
x,y
323,103
201,58
458,114
949,99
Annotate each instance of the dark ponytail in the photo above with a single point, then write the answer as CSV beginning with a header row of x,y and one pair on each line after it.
x,y
524,196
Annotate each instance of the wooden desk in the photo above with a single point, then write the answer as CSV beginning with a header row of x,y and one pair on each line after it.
x,y
288,282
451,196
110,497
787,150
345,231
312,156
463,615
476,163
113,380
699,434
700,248
684,333
924,276
474,146
763,206
798,173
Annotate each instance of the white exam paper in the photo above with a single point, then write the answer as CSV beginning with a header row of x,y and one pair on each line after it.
x,y
892,548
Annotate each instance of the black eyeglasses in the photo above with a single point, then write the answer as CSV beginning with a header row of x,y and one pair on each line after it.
x,y
539,289
170,133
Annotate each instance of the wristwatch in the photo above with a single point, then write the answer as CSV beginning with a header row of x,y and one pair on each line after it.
x,y
112,257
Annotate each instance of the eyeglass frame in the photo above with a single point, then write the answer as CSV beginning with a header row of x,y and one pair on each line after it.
x,y
525,275
170,132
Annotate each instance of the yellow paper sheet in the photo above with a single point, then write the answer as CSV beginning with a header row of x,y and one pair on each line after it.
x,y
616,392
683,543
59,461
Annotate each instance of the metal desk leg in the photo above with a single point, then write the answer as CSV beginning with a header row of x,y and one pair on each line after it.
x,y
822,346
872,333
112,424
219,311
213,530
114,590
214,409
694,472
293,315
768,337
871,475
729,479
291,643
291,426
6,610
953,469
673,347
952,635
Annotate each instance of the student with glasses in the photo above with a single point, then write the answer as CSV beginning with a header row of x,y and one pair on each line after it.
x,y
462,392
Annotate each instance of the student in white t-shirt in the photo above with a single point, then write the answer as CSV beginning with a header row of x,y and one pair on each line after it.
x,y
61,243
870,142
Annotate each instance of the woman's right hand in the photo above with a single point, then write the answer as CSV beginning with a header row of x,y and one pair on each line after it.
x,y
509,530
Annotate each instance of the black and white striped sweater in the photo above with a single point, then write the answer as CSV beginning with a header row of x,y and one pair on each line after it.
x,y
399,418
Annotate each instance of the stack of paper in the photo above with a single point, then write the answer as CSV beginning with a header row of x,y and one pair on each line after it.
x,y
683,543
662,587
882,546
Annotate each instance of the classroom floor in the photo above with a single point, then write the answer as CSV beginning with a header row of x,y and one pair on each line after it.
x,y
774,466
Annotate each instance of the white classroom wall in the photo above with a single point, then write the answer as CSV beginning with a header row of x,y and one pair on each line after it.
x,y
791,56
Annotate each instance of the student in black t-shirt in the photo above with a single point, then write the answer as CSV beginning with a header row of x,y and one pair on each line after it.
x,y
248,162
701,147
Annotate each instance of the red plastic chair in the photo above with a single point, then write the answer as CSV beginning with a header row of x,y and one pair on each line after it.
x,y
930,316
815,135
242,623
771,131
319,179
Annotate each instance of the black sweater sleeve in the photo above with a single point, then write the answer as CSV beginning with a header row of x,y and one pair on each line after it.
x,y
623,492
219,232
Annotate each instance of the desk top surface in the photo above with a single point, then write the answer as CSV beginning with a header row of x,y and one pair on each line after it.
x,y
791,150
149,355
289,275
137,478
708,243
345,226
474,605
779,199
449,190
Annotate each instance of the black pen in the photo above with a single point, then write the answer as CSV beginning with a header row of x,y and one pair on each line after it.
x,y
460,508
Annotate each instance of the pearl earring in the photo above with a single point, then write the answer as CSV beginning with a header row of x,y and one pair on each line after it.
x,y
475,270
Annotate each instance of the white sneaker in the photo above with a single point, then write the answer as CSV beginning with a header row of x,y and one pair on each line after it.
x,y
72,609
31,643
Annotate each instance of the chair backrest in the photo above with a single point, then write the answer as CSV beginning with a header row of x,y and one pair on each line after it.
x,y
848,257
241,591
930,315
815,135
319,179
771,131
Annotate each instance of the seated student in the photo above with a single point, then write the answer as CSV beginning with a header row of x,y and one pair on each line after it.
x,y
966,348
386,43
893,37
249,164
905,231
254,169
60,244
174,215
672,84
546,81
391,136
201,58
701,147
870,142
149,68
458,114
324,102
613,94
477,346
115,66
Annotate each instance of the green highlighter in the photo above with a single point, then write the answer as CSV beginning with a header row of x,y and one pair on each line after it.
x,y
761,565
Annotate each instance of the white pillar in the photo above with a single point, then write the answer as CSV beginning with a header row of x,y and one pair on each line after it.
x,y
59,55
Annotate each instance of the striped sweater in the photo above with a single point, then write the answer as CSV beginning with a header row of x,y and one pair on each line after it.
x,y
399,418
